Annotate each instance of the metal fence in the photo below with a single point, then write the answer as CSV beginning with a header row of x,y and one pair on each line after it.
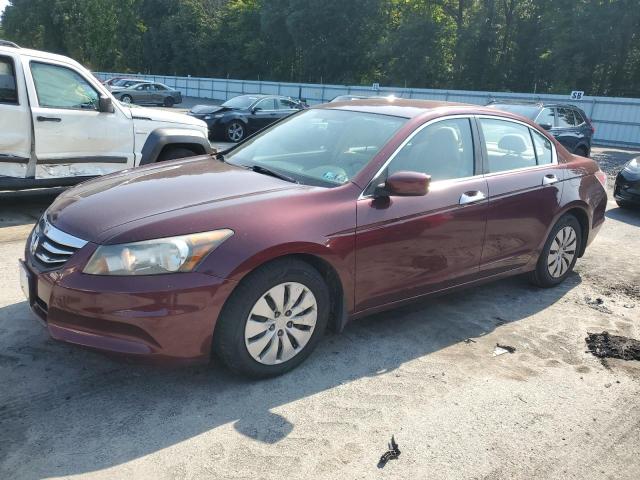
x,y
617,120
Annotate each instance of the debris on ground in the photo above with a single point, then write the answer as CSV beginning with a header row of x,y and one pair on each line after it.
x,y
597,304
502,349
603,345
392,454
469,340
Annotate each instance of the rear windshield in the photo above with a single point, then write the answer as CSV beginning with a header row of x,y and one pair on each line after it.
x,y
319,147
529,111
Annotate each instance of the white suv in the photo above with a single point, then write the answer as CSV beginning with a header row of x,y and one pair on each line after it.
x,y
59,125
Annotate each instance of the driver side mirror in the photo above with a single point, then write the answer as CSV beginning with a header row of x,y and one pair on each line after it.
x,y
105,104
255,109
404,184
546,126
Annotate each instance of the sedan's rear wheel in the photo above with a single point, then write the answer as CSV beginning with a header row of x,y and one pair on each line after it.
x,y
560,252
126,99
273,320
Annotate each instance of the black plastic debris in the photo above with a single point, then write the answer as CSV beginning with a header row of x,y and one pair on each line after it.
x,y
392,454
603,345
502,349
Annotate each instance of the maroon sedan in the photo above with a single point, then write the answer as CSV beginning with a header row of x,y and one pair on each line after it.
x,y
331,214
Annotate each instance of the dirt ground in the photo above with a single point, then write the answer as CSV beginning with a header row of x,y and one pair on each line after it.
x,y
425,373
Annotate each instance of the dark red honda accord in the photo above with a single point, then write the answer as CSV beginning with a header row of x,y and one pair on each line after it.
x,y
333,213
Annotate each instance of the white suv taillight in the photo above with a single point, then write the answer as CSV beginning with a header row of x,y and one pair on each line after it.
x,y
602,178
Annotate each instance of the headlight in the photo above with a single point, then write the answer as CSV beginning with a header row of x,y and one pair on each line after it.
x,y
152,257
633,167
219,115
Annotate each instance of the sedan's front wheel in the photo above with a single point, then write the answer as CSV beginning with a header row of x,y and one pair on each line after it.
x,y
273,320
560,253
234,131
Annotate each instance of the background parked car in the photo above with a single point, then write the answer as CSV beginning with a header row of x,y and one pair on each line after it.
x,y
567,123
111,81
122,83
627,188
148,93
240,116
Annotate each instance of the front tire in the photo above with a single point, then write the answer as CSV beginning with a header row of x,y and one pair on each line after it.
x,y
234,131
169,102
273,320
560,253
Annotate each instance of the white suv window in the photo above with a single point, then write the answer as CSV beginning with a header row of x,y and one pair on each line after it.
x,y
8,91
61,87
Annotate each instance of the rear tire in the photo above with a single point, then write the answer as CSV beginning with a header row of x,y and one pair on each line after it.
x,y
623,204
126,99
175,153
559,254
239,340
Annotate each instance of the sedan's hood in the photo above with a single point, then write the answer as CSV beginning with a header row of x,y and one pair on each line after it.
x,y
206,109
94,209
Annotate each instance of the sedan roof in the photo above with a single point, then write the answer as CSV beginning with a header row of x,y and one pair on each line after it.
x,y
400,107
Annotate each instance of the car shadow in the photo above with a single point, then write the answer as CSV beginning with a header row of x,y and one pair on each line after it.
x,y
24,207
68,411
626,215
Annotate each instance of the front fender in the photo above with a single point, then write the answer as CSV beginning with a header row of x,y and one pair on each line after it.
x,y
161,137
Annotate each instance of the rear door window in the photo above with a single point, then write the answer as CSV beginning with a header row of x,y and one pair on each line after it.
x,y
566,118
543,148
508,145
285,104
8,88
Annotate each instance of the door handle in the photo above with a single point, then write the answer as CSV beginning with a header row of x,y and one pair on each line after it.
x,y
471,197
549,179
40,118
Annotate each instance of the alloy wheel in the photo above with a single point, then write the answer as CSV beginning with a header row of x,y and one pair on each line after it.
x,y
235,132
281,323
562,252
126,99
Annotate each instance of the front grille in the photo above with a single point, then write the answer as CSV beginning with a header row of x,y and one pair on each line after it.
x,y
53,247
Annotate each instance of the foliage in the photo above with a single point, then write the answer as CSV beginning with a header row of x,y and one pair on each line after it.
x,y
513,45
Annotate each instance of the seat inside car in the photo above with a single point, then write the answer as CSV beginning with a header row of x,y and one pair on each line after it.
x,y
514,145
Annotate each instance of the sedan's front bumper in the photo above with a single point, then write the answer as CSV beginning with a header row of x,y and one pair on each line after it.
x,y
627,188
161,317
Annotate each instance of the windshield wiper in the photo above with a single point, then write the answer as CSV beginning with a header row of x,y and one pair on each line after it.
x,y
268,171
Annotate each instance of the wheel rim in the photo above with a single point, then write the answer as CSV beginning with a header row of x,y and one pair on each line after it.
x,y
562,251
126,99
235,131
281,323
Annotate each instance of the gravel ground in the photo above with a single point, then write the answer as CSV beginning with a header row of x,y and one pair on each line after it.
x,y
424,373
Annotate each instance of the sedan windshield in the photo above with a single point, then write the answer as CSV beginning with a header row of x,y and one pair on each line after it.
x,y
243,101
320,146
